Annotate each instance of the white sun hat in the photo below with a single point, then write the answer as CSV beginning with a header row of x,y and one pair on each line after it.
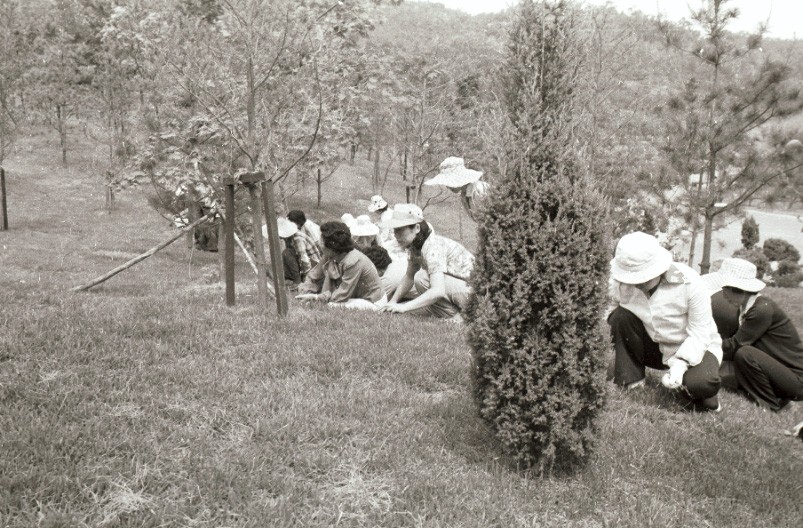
x,y
347,218
377,203
639,258
363,226
453,173
404,214
286,228
739,273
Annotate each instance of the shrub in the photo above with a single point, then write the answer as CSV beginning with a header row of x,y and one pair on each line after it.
x,y
757,257
540,278
788,274
750,234
777,249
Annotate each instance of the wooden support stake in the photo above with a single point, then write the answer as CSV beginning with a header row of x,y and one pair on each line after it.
x,y
228,258
140,258
259,247
252,263
277,264
3,198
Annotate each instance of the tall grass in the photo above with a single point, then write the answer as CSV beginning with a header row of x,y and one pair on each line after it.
x,y
147,402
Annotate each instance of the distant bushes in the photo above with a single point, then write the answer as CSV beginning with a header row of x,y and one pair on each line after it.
x,y
786,272
777,249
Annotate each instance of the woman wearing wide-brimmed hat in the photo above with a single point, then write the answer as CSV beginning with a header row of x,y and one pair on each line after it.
x,y
364,232
457,178
663,321
379,206
766,350
438,267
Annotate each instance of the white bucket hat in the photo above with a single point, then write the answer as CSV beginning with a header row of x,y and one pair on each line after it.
x,y
453,173
404,214
363,226
286,228
639,258
736,273
348,219
377,203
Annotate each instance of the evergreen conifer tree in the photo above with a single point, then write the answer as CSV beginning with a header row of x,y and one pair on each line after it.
x,y
535,319
750,233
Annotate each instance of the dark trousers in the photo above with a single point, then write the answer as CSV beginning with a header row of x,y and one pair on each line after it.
x,y
634,350
768,381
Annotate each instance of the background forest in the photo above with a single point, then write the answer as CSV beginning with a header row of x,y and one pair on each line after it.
x,y
183,93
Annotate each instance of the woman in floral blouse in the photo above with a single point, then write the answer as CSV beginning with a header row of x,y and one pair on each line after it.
x,y
438,267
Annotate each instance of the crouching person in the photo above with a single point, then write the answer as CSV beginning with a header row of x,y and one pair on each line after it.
x,y
663,321
766,349
345,276
438,267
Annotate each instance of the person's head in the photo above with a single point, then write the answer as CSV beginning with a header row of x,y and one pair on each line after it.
x,y
640,261
407,222
380,257
285,227
363,231
739,280
454,175
297,217
378,204
336,238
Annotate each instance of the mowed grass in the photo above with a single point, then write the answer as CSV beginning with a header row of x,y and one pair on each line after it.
x,y
147,402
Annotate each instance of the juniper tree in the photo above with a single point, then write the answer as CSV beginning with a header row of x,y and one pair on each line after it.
x,y
750,232
535,318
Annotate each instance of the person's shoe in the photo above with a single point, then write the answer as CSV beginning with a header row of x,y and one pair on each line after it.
x,y
636,384
711,404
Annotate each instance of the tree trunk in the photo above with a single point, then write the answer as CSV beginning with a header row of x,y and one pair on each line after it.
x,y
61,124
708,230
376,169
320,184
3,202
228,252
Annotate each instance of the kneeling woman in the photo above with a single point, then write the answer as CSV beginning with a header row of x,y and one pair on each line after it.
x,y
663,320
766,350
438,267
345,277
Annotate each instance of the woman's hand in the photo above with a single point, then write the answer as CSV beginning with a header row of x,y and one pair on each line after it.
x,y
307,297
394,307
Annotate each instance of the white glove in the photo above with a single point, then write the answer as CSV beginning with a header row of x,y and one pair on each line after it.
x,y
674,378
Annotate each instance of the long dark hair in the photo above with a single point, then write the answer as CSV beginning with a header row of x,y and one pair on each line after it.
x,y
422,236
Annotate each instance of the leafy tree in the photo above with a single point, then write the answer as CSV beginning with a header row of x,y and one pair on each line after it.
x,y
540,275
778,249
58,81
718,128
14,49
750,233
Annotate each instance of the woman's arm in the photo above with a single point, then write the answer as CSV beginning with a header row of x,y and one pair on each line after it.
x,y
699,325
754,325
437,290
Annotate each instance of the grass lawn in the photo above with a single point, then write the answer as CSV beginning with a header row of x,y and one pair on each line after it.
x,y
147,402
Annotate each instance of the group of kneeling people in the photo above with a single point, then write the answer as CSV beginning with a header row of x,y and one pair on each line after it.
x,y
398,265
705,332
